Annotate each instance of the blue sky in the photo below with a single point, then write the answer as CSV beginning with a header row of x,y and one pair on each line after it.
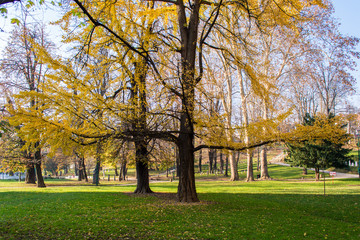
x,y
348,14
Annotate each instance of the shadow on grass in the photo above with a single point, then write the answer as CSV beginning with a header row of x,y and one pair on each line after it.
x,y
111,214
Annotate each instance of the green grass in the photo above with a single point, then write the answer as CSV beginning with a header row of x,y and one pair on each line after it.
x,y
228,210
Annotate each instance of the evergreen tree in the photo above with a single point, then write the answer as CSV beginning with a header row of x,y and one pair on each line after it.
x,y
319,154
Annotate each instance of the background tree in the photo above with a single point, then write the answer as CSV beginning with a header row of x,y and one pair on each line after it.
x,y
25,73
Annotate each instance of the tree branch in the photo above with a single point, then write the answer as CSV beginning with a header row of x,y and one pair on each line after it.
x,y
8,1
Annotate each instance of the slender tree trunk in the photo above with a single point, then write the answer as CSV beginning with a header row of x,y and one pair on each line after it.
x,y
76,168
233,167
120,173
227,165
264,162
258,160
124,170
211,160
305,171
200,159
263,154
81,170
84,169
317,174
116,170
96,175
215,160
250,170
245,117
221,163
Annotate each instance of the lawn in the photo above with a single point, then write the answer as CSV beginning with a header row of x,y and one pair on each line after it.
x,y
228,210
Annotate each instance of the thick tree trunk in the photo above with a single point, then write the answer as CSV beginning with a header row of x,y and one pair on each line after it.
x,y
250,170
233,167
30,177
186,187
82,169
142,170
139,101
264,164
39,176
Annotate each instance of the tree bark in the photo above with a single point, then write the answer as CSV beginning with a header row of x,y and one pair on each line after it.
x,y
211,160
142,170
304,171
122,172
227,165
84,169
39,176
245,117
8,1
177,162
96,174
200,159
317,174
258,160
264,165
80,175
116,170
186,187
30,177
250,170
215,161
233,167
221,163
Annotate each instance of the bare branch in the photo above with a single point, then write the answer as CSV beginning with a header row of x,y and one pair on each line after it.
x,y
8,1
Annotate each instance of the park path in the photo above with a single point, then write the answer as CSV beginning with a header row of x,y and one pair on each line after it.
x,y
279,160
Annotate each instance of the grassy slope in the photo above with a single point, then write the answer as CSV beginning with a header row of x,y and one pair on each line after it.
x,y
229,210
